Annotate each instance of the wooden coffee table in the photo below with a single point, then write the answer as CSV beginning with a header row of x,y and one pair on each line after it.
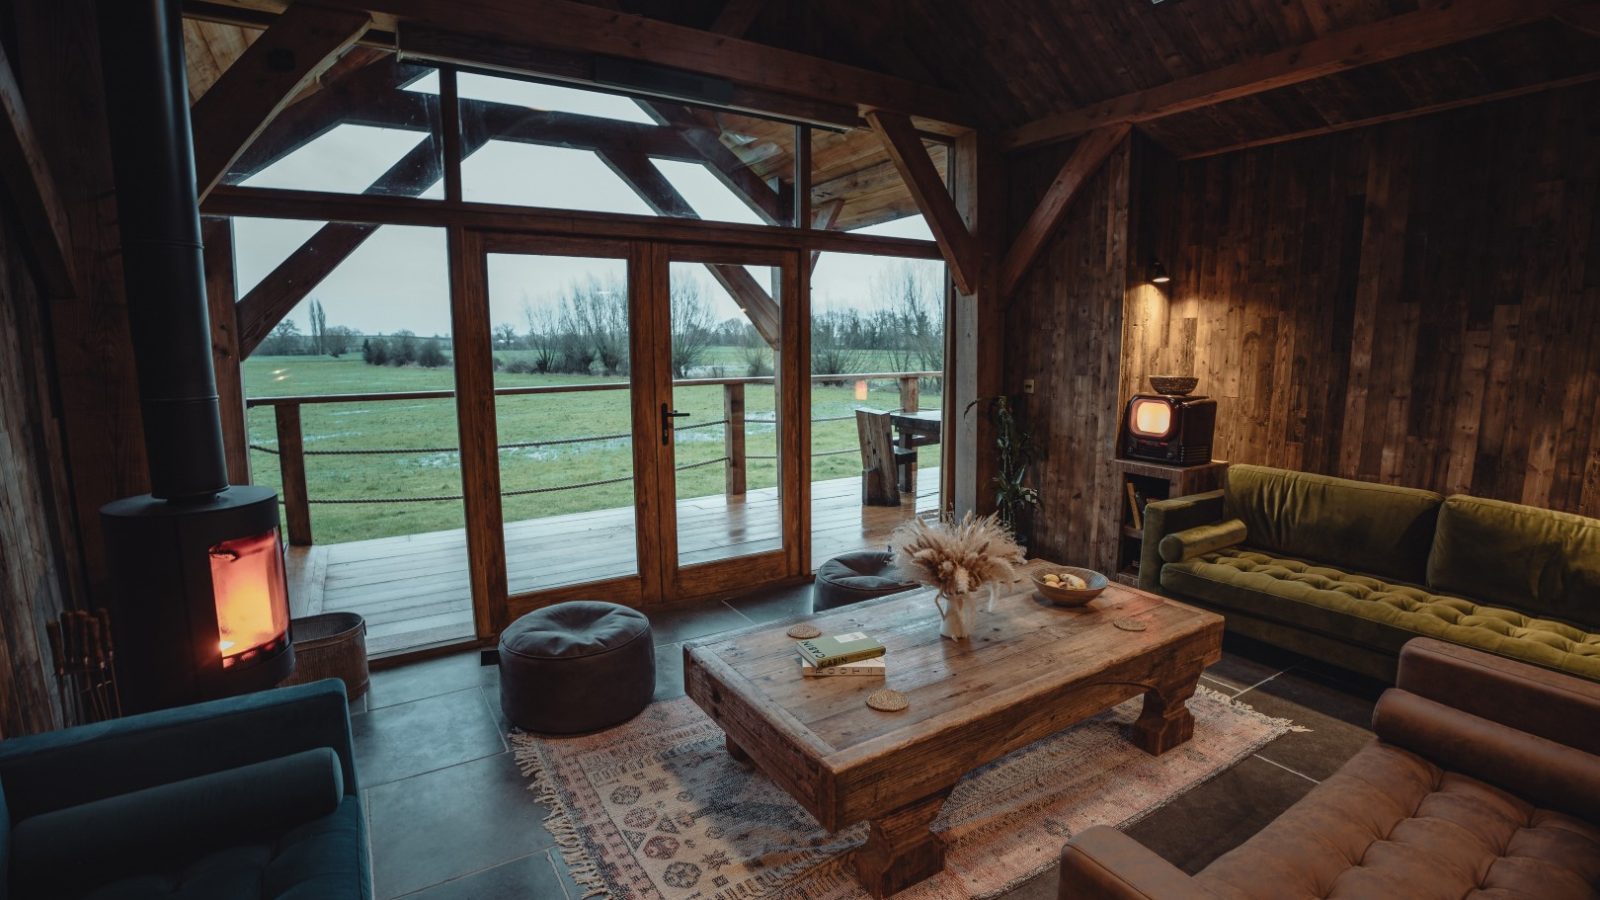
x,y
1031,670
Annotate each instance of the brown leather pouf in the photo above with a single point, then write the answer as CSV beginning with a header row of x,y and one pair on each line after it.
x,y
576,667
853,577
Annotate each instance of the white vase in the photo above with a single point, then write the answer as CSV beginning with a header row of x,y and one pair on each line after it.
x,y
958,615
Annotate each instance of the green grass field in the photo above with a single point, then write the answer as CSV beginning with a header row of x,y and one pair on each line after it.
x,y
427,428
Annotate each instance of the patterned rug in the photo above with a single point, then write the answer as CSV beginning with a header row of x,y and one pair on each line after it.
x,y
656,808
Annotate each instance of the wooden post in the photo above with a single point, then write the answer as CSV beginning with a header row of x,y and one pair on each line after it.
x,y
292,463
909,398
733,438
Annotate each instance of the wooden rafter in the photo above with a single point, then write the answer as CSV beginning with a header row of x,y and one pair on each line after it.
x,y
639,174
736,17
1412,113
299,46
33,190
911,159
1391,38
822,219
1084,161
1585,17
568,25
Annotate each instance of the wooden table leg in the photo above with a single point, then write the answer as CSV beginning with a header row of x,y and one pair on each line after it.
x,y
736,751
900,849
1165,722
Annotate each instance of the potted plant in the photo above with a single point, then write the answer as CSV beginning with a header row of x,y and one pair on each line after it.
x,y
1015,451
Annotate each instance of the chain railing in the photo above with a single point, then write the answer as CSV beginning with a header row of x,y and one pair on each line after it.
x,y
291,451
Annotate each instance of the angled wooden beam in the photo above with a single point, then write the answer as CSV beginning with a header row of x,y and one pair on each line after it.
x,y
1084,161
1507,94
299,46
572,26
736,17
1391,38
1585,17
706,140
822,219
639,174
276,295
911,159
33,190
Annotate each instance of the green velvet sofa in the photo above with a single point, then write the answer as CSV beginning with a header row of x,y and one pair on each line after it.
x,y
247,798
1346,571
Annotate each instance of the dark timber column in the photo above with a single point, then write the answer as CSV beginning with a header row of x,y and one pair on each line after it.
x,y
977,324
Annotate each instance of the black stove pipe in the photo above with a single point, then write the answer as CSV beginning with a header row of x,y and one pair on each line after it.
x,y
147,102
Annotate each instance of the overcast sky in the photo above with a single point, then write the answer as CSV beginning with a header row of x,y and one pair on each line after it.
x,y
397,279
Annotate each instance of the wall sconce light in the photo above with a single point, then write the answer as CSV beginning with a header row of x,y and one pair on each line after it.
x,y
861,389
1158,273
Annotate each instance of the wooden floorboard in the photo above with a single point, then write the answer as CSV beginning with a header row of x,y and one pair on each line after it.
x,y
413,590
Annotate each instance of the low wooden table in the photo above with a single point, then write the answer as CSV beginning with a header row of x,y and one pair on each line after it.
x,y
1031,670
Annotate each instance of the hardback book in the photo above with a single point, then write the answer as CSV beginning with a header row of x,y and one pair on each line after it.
x,y
868,667
835,650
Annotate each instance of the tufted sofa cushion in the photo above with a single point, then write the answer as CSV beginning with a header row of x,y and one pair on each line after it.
x,y
1544,561
1392,824
1373,612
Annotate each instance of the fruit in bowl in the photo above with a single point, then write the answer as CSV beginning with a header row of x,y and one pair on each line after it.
x,y
1069,585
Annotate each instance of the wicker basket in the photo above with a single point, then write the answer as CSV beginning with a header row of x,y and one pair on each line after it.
x,y
331,645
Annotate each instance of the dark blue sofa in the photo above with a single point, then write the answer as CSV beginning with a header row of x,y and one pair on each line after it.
x,y
237,799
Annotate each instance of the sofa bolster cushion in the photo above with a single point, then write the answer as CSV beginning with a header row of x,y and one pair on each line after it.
x,y
1547,773
1191,542
1538,560
1352,525
69,850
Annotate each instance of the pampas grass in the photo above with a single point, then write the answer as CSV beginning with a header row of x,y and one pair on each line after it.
x,y
956,557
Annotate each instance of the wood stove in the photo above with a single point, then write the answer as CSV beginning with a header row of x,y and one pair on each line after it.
x,y
201,607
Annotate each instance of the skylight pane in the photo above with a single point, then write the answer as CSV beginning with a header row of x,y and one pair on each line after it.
x,y
551,177
346,160
534,95
705,193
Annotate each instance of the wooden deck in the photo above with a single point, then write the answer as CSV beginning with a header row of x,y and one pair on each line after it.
x,y
413,590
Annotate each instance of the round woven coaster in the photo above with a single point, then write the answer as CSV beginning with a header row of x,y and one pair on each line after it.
x,y
887,700
1130,624
804,631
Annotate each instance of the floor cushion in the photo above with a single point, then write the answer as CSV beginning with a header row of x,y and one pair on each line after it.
x,y
1374,612
575,667
853,577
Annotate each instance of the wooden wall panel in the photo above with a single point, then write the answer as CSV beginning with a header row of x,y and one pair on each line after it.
x,y
1416,303
33,579
1062,330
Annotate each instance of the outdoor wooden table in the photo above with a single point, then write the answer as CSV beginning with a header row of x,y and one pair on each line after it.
x,y
1031,670
916,429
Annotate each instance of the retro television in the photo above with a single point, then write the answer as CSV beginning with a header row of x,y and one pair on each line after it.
x,y
1169,428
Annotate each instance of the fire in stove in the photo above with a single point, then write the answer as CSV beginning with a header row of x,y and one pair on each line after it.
x,y
247,585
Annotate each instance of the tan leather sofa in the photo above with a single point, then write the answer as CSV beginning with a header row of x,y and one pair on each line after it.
x,y
1483,782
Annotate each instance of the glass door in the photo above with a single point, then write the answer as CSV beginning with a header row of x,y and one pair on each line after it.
x,y
729,419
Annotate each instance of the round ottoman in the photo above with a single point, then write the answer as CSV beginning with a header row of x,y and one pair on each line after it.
x,y
853,577
578,666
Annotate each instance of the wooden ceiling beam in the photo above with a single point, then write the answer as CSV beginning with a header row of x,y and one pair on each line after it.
x,y
568,25
822,219
736,17
1431,108
33,191
304,42
639,174
1085,160
916,168
1391,38
1585,17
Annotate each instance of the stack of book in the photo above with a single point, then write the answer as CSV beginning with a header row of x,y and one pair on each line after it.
x,y
844,654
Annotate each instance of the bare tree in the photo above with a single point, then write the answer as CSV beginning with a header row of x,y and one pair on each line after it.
x,y
693,325
319,327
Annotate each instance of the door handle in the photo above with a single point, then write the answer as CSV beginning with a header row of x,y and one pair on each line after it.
x,y
667,415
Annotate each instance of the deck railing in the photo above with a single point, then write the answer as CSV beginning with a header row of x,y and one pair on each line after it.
x,y
291,451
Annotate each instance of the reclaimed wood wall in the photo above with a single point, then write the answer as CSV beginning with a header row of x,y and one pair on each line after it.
x,y
1416,303
33,581
1061,328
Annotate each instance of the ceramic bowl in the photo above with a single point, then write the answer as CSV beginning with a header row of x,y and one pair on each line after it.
x,y
1065,596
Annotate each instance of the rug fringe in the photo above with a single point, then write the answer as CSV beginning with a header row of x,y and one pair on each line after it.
x,y
584,870
1219,696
